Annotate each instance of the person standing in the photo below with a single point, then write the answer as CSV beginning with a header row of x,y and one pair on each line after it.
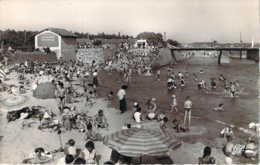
x,y
129,76
174,104
158,75
187,108
121,94
182,82
95,79
232,89
60,94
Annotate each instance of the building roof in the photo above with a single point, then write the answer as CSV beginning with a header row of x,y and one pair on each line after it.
x,y
61,32
86,40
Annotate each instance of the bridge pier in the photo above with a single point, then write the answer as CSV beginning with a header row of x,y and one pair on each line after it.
x,y
173,55
219,57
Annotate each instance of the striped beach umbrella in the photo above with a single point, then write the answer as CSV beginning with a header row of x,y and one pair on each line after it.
x,y
2,74
136,142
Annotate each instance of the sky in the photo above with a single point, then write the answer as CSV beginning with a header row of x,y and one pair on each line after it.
x,y
182,20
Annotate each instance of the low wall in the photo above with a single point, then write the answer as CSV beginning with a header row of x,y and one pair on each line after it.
x,y
33,56
90,54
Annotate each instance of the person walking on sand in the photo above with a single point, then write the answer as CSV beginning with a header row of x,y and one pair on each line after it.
x,y
122,98
187,108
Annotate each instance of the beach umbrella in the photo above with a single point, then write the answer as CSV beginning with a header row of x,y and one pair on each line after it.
x,y
137,142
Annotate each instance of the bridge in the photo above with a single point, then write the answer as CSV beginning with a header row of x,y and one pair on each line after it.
x,y
252,53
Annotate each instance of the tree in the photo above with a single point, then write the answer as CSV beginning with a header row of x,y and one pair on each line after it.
x,y
214,43
173,42
151,37
97,42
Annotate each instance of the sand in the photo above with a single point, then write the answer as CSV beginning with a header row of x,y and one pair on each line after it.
x,y
17,142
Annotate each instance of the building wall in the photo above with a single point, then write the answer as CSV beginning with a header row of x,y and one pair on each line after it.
x,y
48,39
68,48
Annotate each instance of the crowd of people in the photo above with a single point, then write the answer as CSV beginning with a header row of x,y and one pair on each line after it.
x,y
62,75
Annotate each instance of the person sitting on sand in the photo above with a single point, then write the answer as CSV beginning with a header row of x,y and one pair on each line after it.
x,y
135,106
91,135
163,123
152,107
222,78
100,120
80,123
180,75
110,95
207,158
213,84
126,126
89,152
177,126
138,115
46,118
250,150
70,148
228,147
22,89
39,155
255,127
67,159
161,116
66,118
90,95
79,158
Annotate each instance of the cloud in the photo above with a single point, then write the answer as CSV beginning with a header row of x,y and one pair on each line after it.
x,y
187,21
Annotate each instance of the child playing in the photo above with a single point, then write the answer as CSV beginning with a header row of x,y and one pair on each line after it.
x,y
174,104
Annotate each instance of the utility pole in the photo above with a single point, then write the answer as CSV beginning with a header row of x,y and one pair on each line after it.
x,y
241,41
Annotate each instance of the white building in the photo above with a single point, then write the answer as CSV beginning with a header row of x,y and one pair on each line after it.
x,y
60,41
141,44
